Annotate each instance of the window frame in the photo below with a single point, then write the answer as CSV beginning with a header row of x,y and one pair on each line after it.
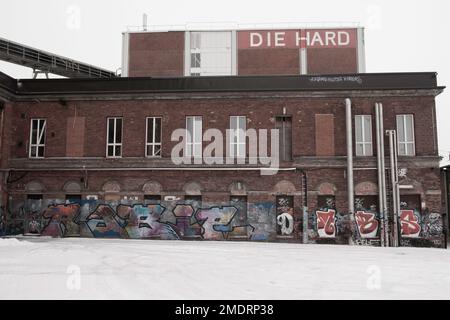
x,y
153,144
406,143
114,144
365,144
234,146
37,145
190,144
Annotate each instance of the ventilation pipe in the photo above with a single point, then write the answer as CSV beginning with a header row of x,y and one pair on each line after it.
x,y
348,115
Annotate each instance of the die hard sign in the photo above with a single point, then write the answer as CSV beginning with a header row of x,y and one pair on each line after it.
x,y
304,38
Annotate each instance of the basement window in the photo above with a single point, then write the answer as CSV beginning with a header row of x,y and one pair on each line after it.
x,y
37,138
114,138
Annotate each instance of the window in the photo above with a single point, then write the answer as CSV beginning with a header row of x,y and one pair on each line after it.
x,y
193,200
238,137
239,222
152,199
195,60
37,138
405,135
194,137
210,53
284,125
35,197
114,142
73,197
285,215
363,135
153,144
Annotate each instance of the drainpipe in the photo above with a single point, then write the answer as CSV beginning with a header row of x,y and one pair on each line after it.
x,y
348,115
380,175
394,181
446,220
382,172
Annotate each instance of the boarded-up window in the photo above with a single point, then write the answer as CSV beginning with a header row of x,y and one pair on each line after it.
x,y
284,125
324,135
239,223
75,137
325,202
285,215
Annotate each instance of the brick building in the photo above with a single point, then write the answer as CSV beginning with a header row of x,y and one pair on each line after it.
x,y
92,157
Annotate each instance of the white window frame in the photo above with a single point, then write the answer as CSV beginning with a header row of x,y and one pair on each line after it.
x,y
152,143
240,134
407,143
367,146
114,144
40,137
193,140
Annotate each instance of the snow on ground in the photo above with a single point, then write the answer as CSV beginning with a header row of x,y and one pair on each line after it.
x,y
44,268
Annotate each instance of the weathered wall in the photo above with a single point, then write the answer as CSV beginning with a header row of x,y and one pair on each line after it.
x,y
177,220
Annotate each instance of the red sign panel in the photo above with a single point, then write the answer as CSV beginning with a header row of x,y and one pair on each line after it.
x,y
304,38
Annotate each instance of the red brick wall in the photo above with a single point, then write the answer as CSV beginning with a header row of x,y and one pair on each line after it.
x,y
324,135
329,60
156,54
260,113
268,61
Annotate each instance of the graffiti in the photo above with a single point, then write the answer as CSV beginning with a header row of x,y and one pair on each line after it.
x,y
326,223
285,215
234,220
410,224
184,215
105,223
60,221
286,222
143,222
216,221
367,224
432,225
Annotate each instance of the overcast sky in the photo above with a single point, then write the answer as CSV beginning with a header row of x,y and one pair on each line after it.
x,y
400,35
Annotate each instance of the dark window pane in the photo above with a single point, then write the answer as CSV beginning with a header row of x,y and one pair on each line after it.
x,y
157,150
73,197
40,151
110,151
34,196
118,151
110,130
118,130
158,130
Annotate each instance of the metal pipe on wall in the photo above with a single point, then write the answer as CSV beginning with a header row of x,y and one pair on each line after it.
x,y
383,176
348,115
379,173
382,197
394,182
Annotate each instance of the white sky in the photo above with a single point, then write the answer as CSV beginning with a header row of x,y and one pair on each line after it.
x,y
400,35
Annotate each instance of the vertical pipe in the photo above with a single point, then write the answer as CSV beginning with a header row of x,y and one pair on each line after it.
x,y
383,175
446,221
395,195
379,172
305,206
348,114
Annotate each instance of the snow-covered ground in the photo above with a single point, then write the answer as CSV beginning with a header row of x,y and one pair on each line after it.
x,y
71,268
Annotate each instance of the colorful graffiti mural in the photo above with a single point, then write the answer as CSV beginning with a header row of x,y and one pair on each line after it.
x,y
367,224
177,220
326,223
409,224
285,215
